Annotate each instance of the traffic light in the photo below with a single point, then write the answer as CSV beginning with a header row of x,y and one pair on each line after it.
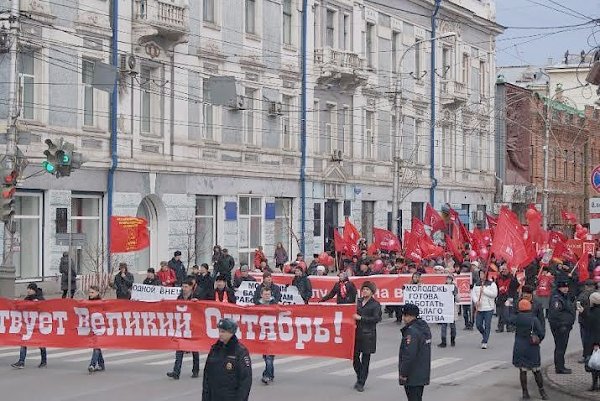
x,y
51,162
7,196
61,158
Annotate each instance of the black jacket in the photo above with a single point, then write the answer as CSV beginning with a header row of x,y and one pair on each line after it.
x,y
360,273
366,327
179,269
225,265
561,312
220,295
184,298
123,285
525,354
304,287
584,300
64,274
414,361
152,281
239,280
227,372
38,296
350,297
594,325
205,287
275,293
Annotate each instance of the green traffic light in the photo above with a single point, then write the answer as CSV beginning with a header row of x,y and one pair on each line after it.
x,y
49,167
65,159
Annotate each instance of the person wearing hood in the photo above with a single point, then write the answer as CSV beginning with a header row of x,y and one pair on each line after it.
x,y
34,294
344,291
414,359
593,343
368,314
123,282
561,317
228,369
302,283
64,275
178,268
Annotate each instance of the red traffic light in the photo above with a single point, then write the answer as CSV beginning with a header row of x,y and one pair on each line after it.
x,y
9,193
11,178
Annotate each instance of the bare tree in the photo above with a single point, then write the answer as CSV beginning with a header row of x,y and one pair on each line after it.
x,y
97,267
194,240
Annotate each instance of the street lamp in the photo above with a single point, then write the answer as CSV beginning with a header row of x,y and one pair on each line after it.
x,y
396,175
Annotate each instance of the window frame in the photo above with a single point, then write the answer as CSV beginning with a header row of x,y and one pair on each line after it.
x,y
333,13
370,44
369,138
88,90
41,271
250,29
251,128
287,135
100,218
205,9
287,16
331,128
250,249
213,217
22,85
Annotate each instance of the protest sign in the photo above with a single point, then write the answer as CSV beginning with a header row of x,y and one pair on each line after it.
x,y
145,292
324,331
244,294
435,301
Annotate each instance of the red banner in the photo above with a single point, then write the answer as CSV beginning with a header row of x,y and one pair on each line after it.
x,y
385,240
128,234
389,286
177,325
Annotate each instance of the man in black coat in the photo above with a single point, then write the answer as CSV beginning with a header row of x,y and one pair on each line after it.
x,y
344,291
228,369
223,293
34,293
224,266
302,283
123,282
267,283
414,361
561,317
64,276
187,294
368,314
178,267
151,278
244,276
205,286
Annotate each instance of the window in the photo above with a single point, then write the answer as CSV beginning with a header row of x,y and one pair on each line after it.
x,y
330,29
347,45
146,105
446,63
205,229
370,45
465,69
287,21
395,48
476,82
249,120
346,130
565,164
420,142
418,58
27,84
555,163
416,210
368,220
87,77
316,26
574,166
475,152
27,241
317,220
283,222
251,16
208,126
482,79
581,168
446,146
316,128
464,150
86,219
250,228
208,11
369,134
286,121
330,128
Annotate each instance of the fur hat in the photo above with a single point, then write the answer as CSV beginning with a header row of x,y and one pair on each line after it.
x,y
370,285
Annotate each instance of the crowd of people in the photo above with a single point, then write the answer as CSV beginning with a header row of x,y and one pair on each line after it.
x,y
545,292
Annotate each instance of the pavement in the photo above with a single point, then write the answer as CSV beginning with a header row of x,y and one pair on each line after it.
x,y
458,373
574,385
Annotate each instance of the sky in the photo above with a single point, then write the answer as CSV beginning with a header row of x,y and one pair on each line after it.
x,y
519,47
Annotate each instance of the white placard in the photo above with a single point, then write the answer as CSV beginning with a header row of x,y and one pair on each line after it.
x,y
245,294
145,292
435,301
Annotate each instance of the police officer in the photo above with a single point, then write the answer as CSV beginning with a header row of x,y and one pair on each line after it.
x,y
561,317
228,369
414,361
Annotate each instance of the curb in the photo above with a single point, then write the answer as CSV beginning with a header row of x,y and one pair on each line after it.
x,y
581,395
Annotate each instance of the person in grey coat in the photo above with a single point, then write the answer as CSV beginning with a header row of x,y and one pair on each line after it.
x,y
64,276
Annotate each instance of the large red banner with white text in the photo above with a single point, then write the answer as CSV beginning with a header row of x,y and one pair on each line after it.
x,y
177,325
389,286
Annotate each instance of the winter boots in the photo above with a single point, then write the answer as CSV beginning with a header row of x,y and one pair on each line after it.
x,y
540,383
523,380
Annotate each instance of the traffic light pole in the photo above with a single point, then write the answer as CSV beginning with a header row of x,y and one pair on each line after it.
x,y
7,269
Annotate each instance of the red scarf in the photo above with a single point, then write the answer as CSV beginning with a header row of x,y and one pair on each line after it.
x,y
343,290
225,299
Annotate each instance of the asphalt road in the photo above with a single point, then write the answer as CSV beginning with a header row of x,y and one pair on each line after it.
x,y
461,373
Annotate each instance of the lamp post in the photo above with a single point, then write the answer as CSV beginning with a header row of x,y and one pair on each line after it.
x,y
396,156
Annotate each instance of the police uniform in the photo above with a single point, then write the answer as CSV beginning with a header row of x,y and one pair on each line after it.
x,y
227,373
561,317
414,360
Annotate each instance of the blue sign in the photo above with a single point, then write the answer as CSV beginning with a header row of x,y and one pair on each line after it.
x,y
269,211
596,178
230,211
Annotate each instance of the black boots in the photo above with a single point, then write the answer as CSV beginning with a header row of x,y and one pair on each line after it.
x,y
452,341
595,387
442,344
523,380
540,383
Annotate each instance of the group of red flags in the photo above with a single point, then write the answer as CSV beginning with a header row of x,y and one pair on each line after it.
x,y
506,238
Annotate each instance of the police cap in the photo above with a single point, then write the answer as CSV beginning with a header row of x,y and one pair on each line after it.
x,y
228,325
410,310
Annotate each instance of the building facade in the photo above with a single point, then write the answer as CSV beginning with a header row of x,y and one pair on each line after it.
x,y
204,174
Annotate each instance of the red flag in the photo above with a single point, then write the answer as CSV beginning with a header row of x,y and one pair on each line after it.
x,y
372,249
386,240
418,228
491,220
451,246
582,264
534,220
338,241
510,241
569,217
128,234
429,249
433,219
477,241
412,250
351,234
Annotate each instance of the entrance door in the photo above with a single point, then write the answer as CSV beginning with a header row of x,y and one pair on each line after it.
x,y
331,222
152,209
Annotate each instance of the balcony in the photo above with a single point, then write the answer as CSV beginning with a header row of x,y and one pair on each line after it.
x,y
340,66
160,20
453,93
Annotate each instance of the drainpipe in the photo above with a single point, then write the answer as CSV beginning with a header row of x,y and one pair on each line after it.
x,y
113,123
172,100
432,124
303,128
